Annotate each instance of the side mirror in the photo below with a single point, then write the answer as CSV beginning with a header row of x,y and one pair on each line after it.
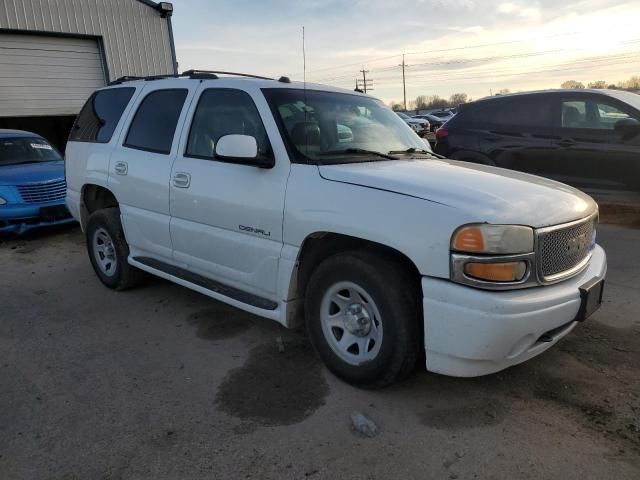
x,y
243,149
628,127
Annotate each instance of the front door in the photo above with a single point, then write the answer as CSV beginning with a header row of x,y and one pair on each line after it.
x,y
588,152
226,216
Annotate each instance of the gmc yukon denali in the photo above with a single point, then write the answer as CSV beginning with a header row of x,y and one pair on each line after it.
x,y
292,200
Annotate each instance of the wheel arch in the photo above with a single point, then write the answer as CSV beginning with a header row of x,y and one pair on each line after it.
x,y
95,197
318,246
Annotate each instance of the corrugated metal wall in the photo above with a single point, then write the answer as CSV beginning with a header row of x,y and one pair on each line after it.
x,y
136,38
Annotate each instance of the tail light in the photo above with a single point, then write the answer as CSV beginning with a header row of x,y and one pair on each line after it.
x,y
442,133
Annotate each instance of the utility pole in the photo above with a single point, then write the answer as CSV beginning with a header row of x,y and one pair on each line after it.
x,y
404,84
364,78
364,84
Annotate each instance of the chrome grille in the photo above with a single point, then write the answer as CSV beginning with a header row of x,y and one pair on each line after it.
x,y
43,192
564,248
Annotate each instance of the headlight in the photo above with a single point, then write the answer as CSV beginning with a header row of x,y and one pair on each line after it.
x,y
501,239
2,201
493,256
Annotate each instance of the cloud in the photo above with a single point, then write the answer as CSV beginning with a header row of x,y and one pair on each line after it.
x,y
264,36
520,10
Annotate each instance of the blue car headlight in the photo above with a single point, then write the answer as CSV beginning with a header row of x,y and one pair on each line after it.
x,y
2,201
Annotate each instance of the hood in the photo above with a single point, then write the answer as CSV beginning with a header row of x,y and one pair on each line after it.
x,y
417,120
490,194
31,172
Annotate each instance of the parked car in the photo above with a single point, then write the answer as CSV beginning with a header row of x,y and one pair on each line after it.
x,y
245,190
32,185
434,122
586,138
443,114
419,125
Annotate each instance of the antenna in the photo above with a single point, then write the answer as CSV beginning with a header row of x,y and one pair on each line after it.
x,y
304,60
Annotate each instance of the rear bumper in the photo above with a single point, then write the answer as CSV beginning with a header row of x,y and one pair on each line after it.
x,y
471,332
20,218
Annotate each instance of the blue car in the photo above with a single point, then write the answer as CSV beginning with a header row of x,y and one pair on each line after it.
x,y
32,183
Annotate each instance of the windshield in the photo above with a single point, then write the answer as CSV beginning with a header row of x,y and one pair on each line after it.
x,y
26,150
403,115
327,127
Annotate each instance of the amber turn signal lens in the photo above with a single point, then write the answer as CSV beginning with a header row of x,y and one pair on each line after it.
x,y
496,272
469,239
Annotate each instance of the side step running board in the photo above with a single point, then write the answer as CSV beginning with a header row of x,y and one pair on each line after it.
x,y
204,282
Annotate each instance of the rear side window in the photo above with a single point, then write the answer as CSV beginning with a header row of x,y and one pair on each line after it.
x,y
154,124
100,115
515,112
224,111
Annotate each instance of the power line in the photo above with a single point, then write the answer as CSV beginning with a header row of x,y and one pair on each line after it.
x,y
440,81
465,47
458,62
477,59
465,74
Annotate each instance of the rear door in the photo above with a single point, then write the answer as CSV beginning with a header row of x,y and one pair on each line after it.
x,y
140,167
515,132
587,151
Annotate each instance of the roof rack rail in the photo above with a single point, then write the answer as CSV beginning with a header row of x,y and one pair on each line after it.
x,y
198,73
125,78
131,78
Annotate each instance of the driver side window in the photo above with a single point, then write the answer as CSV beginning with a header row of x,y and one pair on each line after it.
x,y
220,112
591,114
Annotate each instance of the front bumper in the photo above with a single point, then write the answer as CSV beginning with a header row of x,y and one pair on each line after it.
x,y
471,332
20,218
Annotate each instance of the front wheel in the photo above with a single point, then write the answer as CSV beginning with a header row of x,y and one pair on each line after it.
x,y
362,318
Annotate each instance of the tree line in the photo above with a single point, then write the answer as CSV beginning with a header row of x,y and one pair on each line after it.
x,y
434,102
632,83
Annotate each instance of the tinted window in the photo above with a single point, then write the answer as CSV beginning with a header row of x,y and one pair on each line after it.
x,y
223,111
515,112
26,150
154,124
591,114
100,115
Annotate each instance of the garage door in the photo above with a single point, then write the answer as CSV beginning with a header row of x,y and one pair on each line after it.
x,y
42,75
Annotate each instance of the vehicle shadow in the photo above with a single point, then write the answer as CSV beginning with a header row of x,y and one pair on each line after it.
x,y
39,233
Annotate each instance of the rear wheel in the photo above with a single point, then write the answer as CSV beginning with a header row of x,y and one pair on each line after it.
x,y
362,318
108,250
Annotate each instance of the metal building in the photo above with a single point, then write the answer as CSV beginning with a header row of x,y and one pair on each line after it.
x,y
55,53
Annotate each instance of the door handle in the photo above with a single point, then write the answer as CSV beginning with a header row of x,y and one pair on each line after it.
x,y
121,168
181,180
566,143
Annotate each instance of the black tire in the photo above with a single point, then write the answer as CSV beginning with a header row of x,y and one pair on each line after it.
x,y
394,291
123,275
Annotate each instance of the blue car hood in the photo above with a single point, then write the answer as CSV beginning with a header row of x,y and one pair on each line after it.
x,y
31,172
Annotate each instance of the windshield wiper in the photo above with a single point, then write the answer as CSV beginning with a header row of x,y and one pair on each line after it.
x,y
415,150
357,151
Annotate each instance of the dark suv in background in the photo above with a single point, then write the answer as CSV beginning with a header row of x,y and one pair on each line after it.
x,y
586,138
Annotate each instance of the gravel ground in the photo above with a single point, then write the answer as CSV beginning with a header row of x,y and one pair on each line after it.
x,y
161,382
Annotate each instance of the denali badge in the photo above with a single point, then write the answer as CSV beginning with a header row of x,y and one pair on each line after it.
x,y
254,230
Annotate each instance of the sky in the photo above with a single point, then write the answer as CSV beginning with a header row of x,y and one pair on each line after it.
x,y
450,46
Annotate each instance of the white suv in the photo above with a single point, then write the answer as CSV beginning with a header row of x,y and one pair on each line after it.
x,y
277,197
